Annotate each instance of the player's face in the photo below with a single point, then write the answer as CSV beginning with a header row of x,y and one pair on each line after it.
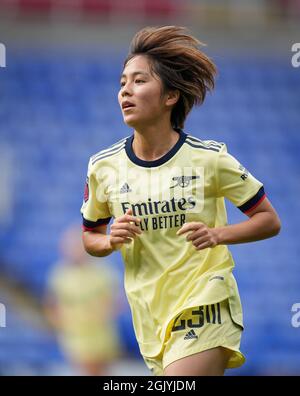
x,y
140,96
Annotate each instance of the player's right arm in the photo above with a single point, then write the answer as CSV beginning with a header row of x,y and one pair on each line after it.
x,y
96,215
97,242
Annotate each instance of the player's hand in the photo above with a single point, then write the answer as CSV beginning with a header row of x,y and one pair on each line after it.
x,y
124,229
200,235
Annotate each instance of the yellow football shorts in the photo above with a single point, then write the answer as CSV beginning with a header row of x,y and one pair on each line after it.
x,y
198,329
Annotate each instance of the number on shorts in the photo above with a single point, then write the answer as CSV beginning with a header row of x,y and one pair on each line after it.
x,y
199,317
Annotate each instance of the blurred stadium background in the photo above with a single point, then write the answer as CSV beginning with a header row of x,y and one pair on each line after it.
x,y
58,105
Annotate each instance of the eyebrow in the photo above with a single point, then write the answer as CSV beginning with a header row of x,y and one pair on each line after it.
x,y
135,73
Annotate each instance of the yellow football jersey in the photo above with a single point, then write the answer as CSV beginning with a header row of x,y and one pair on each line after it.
x,y
165,274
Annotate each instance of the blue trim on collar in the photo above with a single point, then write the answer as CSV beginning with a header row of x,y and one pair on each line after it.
x,y
159,161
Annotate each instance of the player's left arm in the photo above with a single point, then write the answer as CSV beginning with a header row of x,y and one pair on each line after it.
x,y
263,223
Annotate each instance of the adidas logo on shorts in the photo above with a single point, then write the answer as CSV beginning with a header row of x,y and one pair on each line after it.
x,y
190,335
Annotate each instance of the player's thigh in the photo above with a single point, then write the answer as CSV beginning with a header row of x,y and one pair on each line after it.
x,y
211,362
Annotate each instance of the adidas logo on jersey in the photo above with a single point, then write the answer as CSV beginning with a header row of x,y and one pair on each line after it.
x,y
190,335
125,188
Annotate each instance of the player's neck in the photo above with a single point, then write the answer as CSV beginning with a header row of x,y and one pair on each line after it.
x,y
152,142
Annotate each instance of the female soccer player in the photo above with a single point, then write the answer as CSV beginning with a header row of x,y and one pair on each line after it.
x,y
165,190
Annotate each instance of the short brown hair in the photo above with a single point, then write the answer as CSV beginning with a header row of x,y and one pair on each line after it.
x,y
176,58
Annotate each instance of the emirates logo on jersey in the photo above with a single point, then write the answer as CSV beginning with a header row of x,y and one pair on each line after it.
x,y
86,190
